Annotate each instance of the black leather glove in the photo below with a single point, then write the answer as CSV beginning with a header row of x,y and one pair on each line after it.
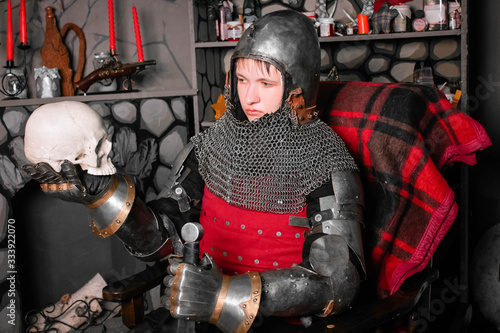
x,y
68,185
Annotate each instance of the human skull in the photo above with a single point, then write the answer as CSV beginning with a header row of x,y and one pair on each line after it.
x,y
70,131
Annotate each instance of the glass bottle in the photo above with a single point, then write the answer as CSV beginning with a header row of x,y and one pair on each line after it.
x,y
436,14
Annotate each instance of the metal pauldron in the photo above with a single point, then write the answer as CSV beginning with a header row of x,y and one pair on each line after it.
x,y
118,211
238,303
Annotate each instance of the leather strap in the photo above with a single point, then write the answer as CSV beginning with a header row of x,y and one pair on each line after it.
x,y
296,100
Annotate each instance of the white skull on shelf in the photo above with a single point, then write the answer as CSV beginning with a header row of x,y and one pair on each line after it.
x,y
70,131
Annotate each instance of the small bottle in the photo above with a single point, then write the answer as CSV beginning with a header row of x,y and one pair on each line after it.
x,y
225,16
350,29
419,23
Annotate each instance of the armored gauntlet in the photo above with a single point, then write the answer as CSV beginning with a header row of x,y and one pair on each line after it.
x,y
203,293
113,210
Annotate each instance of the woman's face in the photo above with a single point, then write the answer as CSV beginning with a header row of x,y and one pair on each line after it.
x,y
259,87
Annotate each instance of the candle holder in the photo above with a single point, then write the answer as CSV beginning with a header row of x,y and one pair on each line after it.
x,y
14,80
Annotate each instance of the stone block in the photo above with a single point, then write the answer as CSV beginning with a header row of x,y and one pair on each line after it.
x,y
326,59
382,78
15,119
172,144
444,49
388,48
402,71
125,112
377,64
448,69
349,57
156,116
417,51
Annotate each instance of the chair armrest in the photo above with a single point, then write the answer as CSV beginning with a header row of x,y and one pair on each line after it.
x,y
365,316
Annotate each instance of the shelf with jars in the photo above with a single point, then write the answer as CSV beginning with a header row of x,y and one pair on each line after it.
x,y
212,55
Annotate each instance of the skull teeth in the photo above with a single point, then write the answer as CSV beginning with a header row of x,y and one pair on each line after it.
x,y
111,170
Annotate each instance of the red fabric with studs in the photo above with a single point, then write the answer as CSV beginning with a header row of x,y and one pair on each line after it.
x,y
243,240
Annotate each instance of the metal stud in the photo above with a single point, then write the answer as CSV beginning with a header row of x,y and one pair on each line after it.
x,y
278,234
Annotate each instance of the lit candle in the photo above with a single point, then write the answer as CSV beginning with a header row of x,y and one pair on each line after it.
x,y
10,38
22,30
140,55
111,22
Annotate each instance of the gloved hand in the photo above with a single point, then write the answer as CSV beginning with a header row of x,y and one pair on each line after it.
x,y
67,185
192,291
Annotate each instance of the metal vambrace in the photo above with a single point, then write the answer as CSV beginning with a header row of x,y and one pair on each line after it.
x,y
118,211
335,256
237,303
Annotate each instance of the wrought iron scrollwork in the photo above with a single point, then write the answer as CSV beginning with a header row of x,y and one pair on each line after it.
x,y
81,308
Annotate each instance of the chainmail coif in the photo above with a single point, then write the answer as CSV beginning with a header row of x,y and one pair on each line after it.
x,y
269,164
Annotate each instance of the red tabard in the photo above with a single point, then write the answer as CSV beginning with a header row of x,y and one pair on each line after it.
x,y
241,240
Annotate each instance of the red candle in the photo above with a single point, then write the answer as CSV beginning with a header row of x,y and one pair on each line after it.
x,y
111,22
140,55
363,25
22,30
10,38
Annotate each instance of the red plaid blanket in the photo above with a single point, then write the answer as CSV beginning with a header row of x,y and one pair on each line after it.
x,y
401,136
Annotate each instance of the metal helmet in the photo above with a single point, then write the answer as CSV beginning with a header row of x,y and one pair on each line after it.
x,y
287,40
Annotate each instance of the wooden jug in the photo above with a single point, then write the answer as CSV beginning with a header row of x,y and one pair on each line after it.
x,y
55,54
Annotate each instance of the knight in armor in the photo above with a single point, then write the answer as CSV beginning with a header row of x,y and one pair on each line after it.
x,y
275,189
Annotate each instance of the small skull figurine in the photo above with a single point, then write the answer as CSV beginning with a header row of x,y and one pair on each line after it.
x,y
70,131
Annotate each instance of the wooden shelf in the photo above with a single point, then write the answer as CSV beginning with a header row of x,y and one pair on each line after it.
x,y
100,97
338,39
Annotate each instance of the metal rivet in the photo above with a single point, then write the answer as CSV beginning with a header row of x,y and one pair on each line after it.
x,y
178,190
212,249
214,218
118,221
242,226
227,222
260,232
255,299
275,264
297,235
317,217
278,234
256,292
246,322
251,317
256,261
240,258
224,254
128,203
